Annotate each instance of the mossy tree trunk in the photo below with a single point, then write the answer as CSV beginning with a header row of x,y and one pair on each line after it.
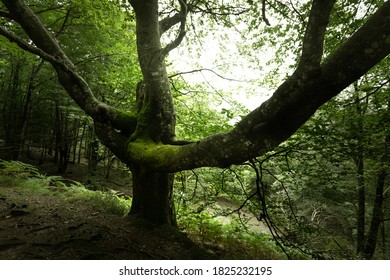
x,y
152,190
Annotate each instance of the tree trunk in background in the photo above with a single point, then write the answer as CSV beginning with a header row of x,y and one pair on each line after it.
x,y
361,211
65,135
75,138
16,108
109,164
26,103
93,155
357,134
376,220
11,115
384,239
81,142
377,212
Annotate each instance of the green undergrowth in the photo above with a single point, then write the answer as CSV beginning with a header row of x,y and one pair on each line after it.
x,y
26,179
229,241
231,238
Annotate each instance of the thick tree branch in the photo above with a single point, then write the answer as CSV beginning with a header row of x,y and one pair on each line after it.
x,y
262,130
31,24
26,46
167,23
313,42
156,108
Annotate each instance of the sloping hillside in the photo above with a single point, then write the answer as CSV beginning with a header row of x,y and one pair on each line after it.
x,y
49,217
43,218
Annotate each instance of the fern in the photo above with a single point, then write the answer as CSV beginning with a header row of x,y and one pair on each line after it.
x,y
18,169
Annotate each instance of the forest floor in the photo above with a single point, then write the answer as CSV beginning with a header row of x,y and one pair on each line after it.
x,y
38,226
48,225
42,216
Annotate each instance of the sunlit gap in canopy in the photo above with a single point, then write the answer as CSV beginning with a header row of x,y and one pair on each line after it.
x,y
221,61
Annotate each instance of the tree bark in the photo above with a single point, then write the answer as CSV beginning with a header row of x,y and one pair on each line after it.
x,y
152,190
152,196
156,114
376,220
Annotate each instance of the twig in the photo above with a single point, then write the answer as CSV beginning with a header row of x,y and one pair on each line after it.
x,y
204,69
263,13
297,12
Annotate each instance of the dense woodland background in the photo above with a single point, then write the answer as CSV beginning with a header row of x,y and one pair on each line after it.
x,y
324,193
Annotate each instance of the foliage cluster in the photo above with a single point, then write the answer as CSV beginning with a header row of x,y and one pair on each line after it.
x,y
27,178
229,238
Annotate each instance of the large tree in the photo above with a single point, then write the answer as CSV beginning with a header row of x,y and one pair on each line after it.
x,y
145,138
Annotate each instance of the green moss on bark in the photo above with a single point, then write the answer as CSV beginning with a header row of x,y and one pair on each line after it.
x,y
124,121
151,154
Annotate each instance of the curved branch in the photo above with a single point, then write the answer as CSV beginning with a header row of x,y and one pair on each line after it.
x,y
297,12
207,7
26,46
182,32
65,21
263,14
48,49
204,69
167,23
